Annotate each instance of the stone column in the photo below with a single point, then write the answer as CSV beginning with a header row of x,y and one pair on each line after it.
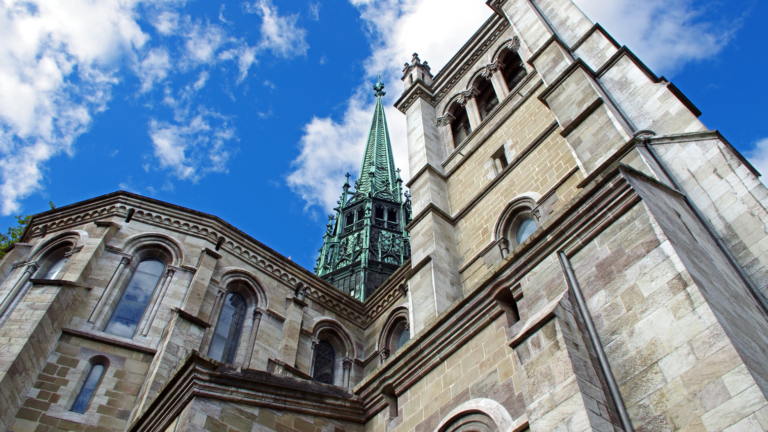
x,y
289,341
347,365
433,244
28,272
159,300
194,300
257,313
467,100
446,134
496,76
124,261
312,357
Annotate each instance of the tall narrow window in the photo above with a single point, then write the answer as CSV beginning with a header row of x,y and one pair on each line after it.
x,y
88,389
130,309
228,329
325,357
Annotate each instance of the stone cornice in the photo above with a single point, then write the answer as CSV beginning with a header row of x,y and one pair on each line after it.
x,y
418,89
200,376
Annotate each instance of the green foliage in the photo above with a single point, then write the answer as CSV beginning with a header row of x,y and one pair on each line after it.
x,y
15,232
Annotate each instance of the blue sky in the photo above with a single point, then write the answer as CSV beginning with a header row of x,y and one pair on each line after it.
x,y
253,111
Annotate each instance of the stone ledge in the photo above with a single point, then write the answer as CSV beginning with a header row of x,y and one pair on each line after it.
x,y
108,339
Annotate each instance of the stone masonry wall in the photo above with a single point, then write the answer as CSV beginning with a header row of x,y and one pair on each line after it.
x,y
46,406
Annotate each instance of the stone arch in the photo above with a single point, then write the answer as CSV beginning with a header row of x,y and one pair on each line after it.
x,y
486,408
511,44
230,275
140,244
77,238
395,316
525,200
332,326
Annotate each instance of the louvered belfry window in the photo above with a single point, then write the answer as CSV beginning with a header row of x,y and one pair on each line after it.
x,y
325,357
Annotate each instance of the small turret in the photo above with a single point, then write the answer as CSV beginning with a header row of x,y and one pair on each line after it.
x,y
416,71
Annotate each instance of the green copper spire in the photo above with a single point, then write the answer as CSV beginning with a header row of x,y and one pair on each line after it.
x,y
365,241
378,168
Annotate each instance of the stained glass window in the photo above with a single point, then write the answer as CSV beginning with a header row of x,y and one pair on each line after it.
x,y
228,329
89,387
132,304
325,357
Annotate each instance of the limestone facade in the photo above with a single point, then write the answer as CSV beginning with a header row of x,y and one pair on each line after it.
x,y
585,255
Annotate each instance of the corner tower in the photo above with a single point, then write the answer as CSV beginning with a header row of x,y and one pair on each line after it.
x,y
365,241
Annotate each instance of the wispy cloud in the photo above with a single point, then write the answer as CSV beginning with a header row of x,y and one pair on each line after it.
x,y
60,60
279,34
194,147
314,10
666,34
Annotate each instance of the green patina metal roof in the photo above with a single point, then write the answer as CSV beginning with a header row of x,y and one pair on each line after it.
x,y
378,161
366,241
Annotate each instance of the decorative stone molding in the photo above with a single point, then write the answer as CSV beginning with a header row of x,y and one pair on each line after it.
x,y
466,95
445,120
491,68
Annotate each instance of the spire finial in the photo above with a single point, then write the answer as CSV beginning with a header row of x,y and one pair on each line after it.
x,y
379,87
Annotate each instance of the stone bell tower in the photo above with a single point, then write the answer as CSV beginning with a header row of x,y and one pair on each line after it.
x,y
365,241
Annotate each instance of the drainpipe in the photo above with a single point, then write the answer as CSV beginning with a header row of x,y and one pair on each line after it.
x,y
613,388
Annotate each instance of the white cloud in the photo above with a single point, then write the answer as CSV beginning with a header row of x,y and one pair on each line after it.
x,y
153,69
664,33
314,10
193,147
60,60
280,34
758,157
57,66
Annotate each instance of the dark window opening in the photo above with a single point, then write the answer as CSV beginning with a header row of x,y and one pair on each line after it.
x,y
514,72
391,398
506,301
487,100
500,160
392,215
350,219
379,213
460,126
325,358
360,214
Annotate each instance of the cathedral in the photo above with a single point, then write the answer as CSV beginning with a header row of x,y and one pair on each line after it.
x,y
574,251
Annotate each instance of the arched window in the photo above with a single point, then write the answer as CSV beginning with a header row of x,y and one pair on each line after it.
x,y
402,336
125,319
54,262
471,422
487,100
325,359
228,329
516,225
460,127
92,380
514,72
